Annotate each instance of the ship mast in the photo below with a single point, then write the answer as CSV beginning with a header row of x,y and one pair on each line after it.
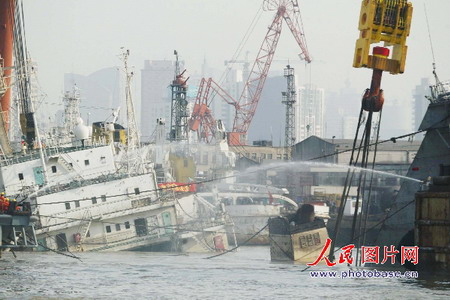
x,y
132,132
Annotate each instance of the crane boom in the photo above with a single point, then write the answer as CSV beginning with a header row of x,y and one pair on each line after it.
x,y
295,28
245,107
202,119
248,102
257,77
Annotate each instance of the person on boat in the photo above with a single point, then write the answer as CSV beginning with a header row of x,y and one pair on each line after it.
x,y
3,203
305,214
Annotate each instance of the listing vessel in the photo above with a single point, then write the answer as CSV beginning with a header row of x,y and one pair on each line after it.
x,y
432,160
89,190
16,222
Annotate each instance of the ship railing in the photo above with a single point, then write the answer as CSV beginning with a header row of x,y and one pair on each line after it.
x,y
16,229
104,245
97,211
49,152
440,92
80,183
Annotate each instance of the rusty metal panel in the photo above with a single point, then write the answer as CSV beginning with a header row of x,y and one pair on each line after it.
x,y
432,229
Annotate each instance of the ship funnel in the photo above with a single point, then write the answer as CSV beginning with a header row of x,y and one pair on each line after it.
x,y
6,53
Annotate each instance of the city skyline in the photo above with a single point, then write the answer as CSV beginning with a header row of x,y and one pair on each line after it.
x,y
83,36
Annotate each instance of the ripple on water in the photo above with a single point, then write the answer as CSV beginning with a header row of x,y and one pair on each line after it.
x,y
246,274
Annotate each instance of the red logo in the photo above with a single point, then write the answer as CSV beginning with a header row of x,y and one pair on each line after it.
x,y
369,254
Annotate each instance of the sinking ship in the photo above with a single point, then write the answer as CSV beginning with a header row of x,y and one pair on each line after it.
x,y
86,188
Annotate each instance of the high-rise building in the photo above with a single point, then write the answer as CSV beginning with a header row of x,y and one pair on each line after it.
x,y
420,104
310,113
269,119
349,124
340,108
232,84
156,77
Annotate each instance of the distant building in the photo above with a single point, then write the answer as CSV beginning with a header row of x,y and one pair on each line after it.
x,y
261,153
420,104
396,118
233,85
319,166
320,174
269,119
310,113
340,110
156,77
349,125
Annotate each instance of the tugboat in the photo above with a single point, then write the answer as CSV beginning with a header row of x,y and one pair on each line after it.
x,y
300,237
16,225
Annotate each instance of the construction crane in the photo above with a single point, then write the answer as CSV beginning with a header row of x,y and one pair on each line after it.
x,y
202,120
245,107
289,99
179,114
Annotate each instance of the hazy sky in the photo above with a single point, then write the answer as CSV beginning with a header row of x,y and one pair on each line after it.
x,y
82,36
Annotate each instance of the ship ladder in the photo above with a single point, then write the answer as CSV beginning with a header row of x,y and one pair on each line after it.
x,y
66,165
83,229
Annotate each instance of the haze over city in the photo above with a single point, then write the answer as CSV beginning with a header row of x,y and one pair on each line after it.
x,y
83,36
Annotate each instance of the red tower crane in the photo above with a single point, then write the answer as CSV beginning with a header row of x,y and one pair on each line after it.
x,y
245,107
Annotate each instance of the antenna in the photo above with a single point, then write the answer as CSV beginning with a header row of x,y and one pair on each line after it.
x,y
438,91
431,44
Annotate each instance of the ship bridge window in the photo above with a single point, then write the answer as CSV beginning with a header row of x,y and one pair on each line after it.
x,y
117,227
244,201
86,162
108,229
20,176
261,201
94,200
137,191
444,170
53,169
67,205
127,225
103,198
227,201
77,203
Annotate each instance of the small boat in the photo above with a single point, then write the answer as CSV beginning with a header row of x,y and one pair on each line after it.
x,y
300,237
250,206
16,226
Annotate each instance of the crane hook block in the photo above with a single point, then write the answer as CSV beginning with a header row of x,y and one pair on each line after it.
x,y
387,21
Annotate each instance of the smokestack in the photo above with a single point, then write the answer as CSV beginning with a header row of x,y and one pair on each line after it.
x,y
6,51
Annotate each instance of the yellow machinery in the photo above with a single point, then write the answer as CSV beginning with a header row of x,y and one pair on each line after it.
x,y
387,21
103,132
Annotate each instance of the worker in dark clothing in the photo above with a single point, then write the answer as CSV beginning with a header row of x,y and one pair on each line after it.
x,y
304,214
